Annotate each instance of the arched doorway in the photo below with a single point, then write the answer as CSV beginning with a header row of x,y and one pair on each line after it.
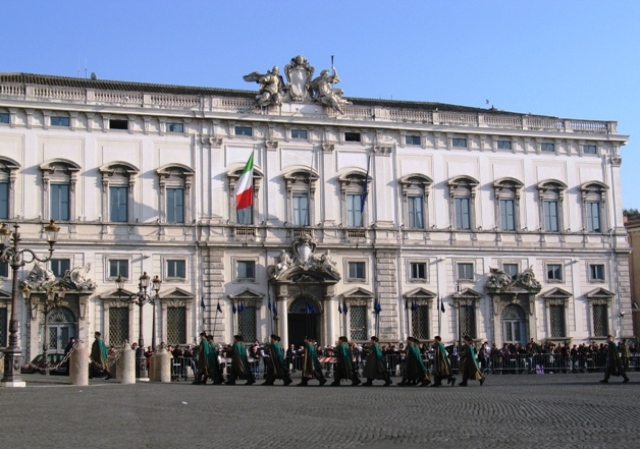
x,y
514,329
62,326
303,320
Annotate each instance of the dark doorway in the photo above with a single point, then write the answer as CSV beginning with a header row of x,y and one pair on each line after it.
x,y
303,320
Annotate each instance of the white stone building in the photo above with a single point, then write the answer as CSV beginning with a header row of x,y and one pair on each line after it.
x,y
140,178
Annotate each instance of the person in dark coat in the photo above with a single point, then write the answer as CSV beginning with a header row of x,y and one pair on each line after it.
x,y
441,365
311,367
344,364
614,363
376,366
240,367
470,369
415,372
276,366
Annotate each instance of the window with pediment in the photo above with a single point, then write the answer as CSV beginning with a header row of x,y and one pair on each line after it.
x,y
118,180
175,193
507,203
300,187
600,302
59,179
550,205
462,195
465,302
359,303
8,170
415,194
245,307
556,303
594,200
353,188
418,307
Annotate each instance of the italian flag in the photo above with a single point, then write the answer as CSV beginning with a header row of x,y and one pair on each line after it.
x,y
244,187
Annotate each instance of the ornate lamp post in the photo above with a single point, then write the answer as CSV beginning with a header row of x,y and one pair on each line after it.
x,y
156,283
140,299
12,255
52,301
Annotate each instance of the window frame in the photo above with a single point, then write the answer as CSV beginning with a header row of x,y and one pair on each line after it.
x,y
174,177
462,187
356,263
61,121
516,264
299,134
548,269
243,131
414,277
500,144
551,191
414,140
174,127
119,124
353,136
246,262
594,197
459,273
168,261
109,272
59,261
5,118
594,277
353,183
590,146
459,142
547,147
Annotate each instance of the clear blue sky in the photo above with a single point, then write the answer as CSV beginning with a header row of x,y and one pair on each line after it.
x,y
572,58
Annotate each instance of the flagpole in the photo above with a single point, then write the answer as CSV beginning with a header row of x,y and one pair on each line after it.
x,y
215,319
439,316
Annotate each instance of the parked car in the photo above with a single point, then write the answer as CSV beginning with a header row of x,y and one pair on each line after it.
x,y
37,365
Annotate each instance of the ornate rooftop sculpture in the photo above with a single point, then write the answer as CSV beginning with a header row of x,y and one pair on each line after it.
x,y
301,86
501,282
304,260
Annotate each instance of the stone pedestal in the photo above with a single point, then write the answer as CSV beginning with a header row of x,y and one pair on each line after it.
x,y
79,365
161,366
126,366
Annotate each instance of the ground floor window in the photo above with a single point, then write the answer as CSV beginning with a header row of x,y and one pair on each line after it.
x,y
118,325
176,325
358,323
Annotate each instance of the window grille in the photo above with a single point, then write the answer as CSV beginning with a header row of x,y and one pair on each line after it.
x,y
468,321
118,325
420,322
600,320
358,322
557,319
176,325
247,323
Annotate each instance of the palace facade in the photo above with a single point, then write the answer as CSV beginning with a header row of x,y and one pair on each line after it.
x,y
369,216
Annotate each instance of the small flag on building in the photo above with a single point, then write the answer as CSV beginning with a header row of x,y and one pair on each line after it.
x,y
233,308
345,309
218,308
202,303
340,307
441,305
377,308
365,191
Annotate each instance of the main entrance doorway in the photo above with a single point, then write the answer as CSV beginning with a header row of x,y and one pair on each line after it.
x,y
303,320
62,327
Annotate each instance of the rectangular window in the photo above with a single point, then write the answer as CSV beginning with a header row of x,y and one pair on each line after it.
x,y
4,117
175,127
118,201
246,269
4,200
176,325
413,140
596,272
418,271
557,321
554,272
175,205
511,269
118,267
247,323
300,209
60,121
459,142
299,134
463,216
358,323
465,271
357,270
507,215
4,271
60,266
59,202
118,124
467,315
416,217
352,137
420,321
354,210
551,223
176,269
505,145
245,216
244,131
593,216
548,147
118,325
589,149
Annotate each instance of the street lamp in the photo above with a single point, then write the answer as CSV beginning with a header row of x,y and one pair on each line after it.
x,y
156,283
11,254
53,300
140,299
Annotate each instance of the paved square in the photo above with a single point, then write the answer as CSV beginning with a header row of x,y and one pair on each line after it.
x,y
510,411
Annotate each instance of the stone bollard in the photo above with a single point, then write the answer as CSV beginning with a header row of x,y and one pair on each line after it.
x,y
79,365
152,369
126,366
161,366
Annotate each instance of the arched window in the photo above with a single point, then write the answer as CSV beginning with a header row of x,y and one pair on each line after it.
x,y
353,186
415,194
594,199
59,178
507,204
175,193
118,180
550,205
462,195
301,188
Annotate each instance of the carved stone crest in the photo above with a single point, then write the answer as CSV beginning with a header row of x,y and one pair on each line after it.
x,y
303,263
299,74
501,282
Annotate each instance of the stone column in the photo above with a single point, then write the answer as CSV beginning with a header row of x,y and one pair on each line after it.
x,y
386,290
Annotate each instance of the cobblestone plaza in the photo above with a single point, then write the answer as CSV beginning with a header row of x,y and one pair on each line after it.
x,y
509,411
